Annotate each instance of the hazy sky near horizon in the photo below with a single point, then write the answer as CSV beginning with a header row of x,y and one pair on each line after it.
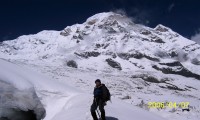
x,y
22,17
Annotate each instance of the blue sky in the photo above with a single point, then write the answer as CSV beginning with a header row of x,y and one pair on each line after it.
x,y
19,17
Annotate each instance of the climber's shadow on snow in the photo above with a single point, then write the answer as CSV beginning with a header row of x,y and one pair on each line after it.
x,y
111,118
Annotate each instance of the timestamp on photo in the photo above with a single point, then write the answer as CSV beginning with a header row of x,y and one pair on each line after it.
x,y
182,105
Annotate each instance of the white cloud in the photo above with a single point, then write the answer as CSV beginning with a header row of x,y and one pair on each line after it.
x,y
120,11
196,37
136,15
171,7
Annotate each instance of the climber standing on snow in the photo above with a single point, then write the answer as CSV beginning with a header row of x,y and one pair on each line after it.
x,y
101,96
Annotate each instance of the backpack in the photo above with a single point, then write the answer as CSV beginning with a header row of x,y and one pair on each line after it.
x,y
106,93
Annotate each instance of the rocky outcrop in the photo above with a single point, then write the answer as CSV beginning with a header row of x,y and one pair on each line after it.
x,y
152,79
127,56
175,68
195,61
161,28
137,55
66,32
113,64
88,54
147,78
72,63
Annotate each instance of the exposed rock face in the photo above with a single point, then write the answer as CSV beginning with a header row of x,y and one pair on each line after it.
x,y
152,79
88,54
147,78
175,68
114,64
127,56
195,61
66,32
72,63
137,55
161,28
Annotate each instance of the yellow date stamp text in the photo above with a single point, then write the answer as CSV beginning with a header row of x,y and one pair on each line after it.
x,y
182,105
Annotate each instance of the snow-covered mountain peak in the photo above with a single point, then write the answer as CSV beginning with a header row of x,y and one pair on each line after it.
x,y
104,37
162,28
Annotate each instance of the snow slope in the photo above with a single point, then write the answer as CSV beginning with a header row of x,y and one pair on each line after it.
x,y
77,109
132,90
18,87
60,101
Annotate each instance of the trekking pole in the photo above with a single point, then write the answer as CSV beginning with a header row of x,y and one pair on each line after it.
x,y
97,109
98,113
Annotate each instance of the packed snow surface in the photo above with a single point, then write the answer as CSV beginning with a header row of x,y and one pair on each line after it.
x,y
60,101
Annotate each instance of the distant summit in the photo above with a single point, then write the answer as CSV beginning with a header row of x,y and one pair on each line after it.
x,y
109,42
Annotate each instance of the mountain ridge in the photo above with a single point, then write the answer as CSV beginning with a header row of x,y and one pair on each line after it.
x,y
110,35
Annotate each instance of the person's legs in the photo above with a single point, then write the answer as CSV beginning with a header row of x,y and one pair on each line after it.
x,y
101,108
92,109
